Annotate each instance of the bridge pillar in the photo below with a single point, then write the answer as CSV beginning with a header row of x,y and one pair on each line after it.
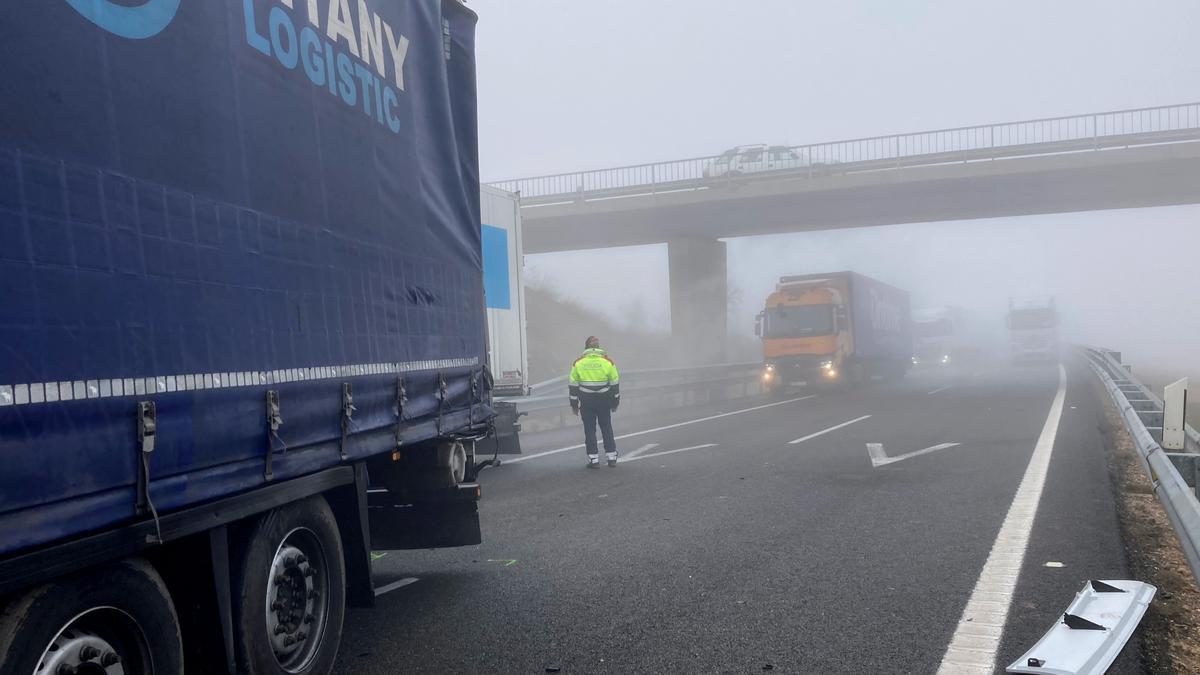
x,y
698,297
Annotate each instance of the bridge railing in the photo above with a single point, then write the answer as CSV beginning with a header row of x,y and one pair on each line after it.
x,y
1052,135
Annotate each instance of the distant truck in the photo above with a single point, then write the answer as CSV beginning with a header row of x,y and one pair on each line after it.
x,y
939,336
841,327
1033,329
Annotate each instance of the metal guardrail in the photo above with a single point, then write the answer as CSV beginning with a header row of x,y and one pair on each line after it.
x,y
552,393
1140,406
1052,135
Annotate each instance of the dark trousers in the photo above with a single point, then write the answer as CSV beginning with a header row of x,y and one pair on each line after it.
x,y
593,414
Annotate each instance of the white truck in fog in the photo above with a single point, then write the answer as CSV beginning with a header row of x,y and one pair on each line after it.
x,y
1033,329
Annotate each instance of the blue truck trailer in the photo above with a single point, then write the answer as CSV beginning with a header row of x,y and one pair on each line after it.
x,y
242,328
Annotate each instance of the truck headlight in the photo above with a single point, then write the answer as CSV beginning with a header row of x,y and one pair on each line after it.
x,y
827,364
946,358
916,361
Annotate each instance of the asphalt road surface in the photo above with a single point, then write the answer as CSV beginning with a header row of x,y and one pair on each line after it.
x,y
720,545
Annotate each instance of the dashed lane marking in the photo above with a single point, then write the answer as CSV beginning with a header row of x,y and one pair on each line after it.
x,y
939,389
388,588
825,431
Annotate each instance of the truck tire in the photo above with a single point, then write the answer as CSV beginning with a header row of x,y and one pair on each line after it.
x,y
290,592
116,618
452,463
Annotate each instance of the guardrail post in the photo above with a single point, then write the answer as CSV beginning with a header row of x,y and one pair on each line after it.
x,y
1174,436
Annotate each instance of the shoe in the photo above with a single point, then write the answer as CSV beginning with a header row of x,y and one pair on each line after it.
x,y
612,462
593,462
612,458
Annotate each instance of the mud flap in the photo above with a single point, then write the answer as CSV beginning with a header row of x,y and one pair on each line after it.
x,y
507,439
436,519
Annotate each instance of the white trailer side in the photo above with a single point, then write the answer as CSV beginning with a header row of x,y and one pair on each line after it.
x,y
504,290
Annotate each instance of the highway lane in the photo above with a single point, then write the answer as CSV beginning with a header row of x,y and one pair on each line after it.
x,y
753,550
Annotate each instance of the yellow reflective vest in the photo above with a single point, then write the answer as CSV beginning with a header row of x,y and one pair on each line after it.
x,y
594,379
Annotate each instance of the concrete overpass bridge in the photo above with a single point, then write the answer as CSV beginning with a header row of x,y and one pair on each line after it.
x,y
1110,160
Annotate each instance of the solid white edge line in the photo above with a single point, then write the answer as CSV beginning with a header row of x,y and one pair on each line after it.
x,y
669,426
939,389
977,637
388,588
671,452
825,431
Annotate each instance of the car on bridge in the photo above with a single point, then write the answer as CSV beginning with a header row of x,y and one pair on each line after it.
x,y
755,159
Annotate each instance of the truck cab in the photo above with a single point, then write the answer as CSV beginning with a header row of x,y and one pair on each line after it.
x,y
1033,329
936,336
805,332
833,328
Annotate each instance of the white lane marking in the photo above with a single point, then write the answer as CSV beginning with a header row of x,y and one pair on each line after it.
x,y
878,458
388,588
825,431
939,389
669,426
635,453
977,638
670,452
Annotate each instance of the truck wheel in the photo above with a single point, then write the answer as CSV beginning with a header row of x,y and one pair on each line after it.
x,y
452,460
291,586
116,620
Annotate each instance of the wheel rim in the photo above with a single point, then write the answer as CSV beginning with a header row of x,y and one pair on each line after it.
x,y
99,641
297,600
458,463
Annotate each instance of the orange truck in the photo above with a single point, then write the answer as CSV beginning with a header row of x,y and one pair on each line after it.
x,y
834,328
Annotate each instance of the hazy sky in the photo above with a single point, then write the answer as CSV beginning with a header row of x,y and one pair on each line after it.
x,y
567,85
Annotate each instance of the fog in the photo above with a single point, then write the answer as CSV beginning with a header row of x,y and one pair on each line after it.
x,y
566,85
1122,279
569,85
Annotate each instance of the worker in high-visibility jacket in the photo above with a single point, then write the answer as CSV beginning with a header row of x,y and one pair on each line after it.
x,y
595,391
